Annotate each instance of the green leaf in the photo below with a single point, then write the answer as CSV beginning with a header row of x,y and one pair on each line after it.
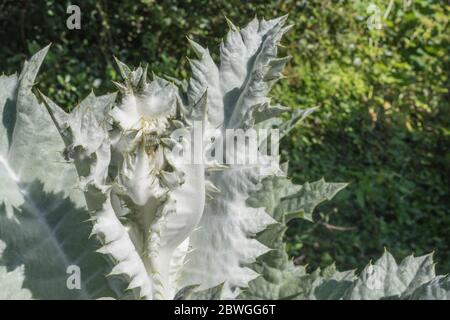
x,y
328,284
280,279
414,278
436,289
192,293
303,203
386,279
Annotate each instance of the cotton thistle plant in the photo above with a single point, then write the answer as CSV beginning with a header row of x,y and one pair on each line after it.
x,y
143,206
116,187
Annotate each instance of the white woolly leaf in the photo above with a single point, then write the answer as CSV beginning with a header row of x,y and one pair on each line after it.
x,y
42,213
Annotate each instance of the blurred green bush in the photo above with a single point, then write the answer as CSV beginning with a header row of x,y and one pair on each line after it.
x,y
383,98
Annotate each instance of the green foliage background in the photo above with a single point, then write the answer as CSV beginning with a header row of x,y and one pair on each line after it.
x,y
383,122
